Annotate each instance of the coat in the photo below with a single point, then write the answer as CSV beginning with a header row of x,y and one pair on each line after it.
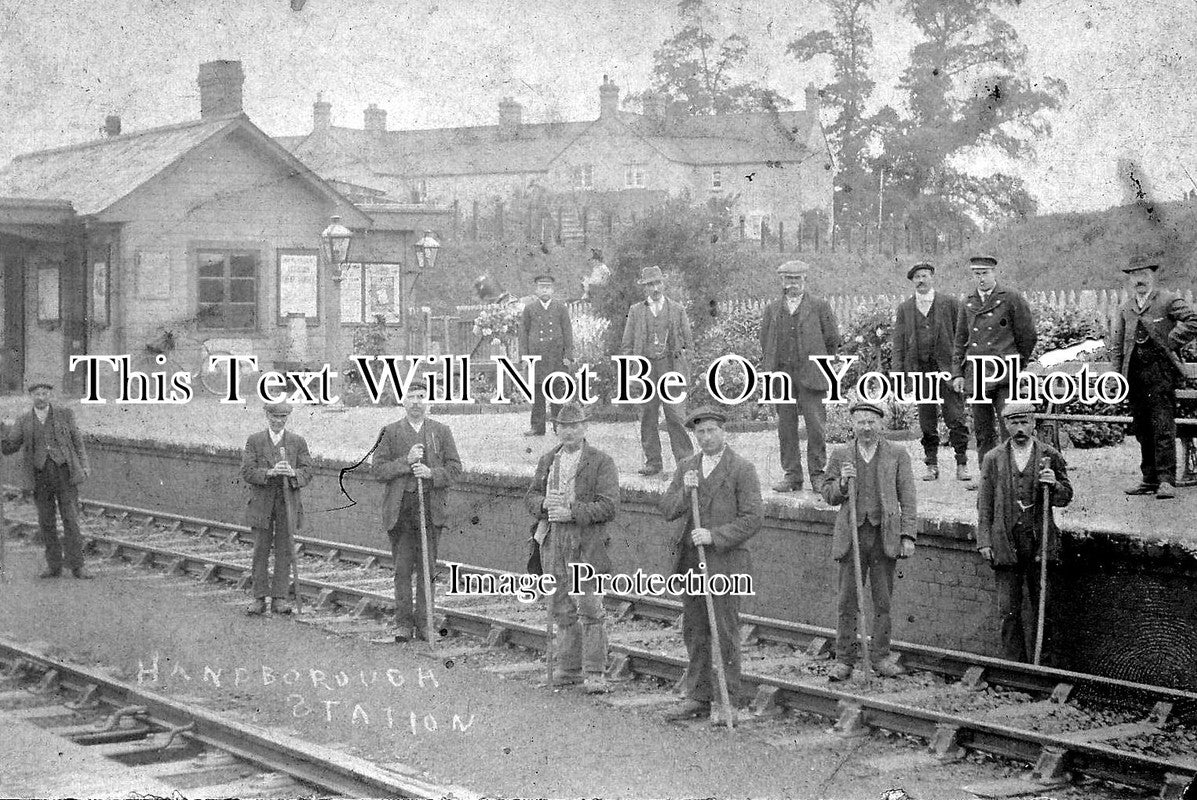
x,y
596,500
1169,320
547,333
1002,326
261,454
389,463
635,334
899,505
818,335
65,433
997,508
944,314
729,506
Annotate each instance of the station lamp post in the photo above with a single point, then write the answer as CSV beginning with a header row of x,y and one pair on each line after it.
x,y
334,244
426,248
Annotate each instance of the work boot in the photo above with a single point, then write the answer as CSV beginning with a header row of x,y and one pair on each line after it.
x,y
79,573
689,709
595,683
1165,492
840,672
962,473
932,473
1143,488
649,469
788,486
403,634
533,433
259,607
51,573
562,677
280,606
890,669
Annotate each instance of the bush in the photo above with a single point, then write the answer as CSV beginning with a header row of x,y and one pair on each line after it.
x,y
739,334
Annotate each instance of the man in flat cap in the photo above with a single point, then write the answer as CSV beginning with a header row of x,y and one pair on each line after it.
x,y
994,321
659,330
272,458
886,519
794,327
1010,512
545,331
56,465
576,491
924,335
414,449
1151,326
730,513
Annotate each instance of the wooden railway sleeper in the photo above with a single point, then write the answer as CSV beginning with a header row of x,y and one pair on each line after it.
x,y
47,684
945,743
87,699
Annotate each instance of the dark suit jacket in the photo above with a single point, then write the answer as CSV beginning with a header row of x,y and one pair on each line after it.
x,y
635,333
899,507
546,332
997,508
65,433
818,335
1004,327
260,455
389,463
729,506
1169,320
596,499
944,314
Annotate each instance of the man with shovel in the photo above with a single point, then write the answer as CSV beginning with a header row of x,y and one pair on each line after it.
x,y
871,481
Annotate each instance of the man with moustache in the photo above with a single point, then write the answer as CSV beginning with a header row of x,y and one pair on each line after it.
x,y
1151,326
413,449
730,513
793,328
576,490
886,519
993,321
1010,513
56,465
545,331
924,335
659,330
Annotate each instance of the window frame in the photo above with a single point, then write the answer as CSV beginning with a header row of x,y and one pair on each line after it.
x,y
716,179
635,175
228,250
583,176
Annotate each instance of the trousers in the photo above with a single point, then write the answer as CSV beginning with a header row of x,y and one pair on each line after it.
x,y
1153,408
696,633
52,489
814,414
581,633
405,550
952,410
543,368
988,424
650,433
877,570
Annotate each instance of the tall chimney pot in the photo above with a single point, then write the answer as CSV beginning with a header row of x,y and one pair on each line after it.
x,y
608,98
510,116
321,113
112,125
376,119
220,85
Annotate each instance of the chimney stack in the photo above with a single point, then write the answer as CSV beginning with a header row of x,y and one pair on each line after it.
x,y
813,99
321,113
220,88
376,119
654,108
112,125
608,98
510,117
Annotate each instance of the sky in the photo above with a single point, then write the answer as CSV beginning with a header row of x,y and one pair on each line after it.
x,y
64,64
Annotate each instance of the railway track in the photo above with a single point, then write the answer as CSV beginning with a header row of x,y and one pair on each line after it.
x,y
200,753
1063,723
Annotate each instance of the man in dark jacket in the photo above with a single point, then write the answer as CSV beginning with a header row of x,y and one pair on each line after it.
x,y
924,335
271,457
1150,327
56,466
1010,513
409,452
994,321
545,331
576,492
729,504
886,520
794,327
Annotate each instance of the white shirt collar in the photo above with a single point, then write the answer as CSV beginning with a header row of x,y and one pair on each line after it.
x,y
710,462
860,450
42,415
657,305
414,426
924,300
545,303
276,439
792,303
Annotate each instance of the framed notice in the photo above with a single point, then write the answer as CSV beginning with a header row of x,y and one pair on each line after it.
x,y
384,292
99,293
351,294
298,285
47,294
153,275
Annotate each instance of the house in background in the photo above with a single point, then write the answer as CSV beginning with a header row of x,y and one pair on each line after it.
x,y
771,167
208,226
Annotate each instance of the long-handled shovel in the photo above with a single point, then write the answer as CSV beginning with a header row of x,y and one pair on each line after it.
x,y
1044,463
729,713
289,504
860,609
545,539
428,566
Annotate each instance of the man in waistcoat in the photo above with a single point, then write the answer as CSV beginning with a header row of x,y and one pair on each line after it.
x,y
1010,514
545,331
794,327
56,465
924,335
886,519
1152,325
659,330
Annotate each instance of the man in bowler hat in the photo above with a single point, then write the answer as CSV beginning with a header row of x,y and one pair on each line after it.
x,y
545,331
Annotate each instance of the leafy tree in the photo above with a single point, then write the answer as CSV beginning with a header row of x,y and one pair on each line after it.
x,y
694,70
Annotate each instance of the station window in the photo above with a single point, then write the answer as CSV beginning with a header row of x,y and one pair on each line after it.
x,y
583,176
634,176
228,289
716,179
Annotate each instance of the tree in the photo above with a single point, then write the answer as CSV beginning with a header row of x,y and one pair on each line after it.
x,y
850,47
694,70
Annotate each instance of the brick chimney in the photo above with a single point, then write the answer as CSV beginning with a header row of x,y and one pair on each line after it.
x,y
376,119
112,125
510,116
321,113
654,109
608,98
813,101
220,88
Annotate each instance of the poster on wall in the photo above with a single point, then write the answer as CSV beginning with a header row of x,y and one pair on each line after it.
x,y
384,292
153,275
351,294
47,294
99,292
298,286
